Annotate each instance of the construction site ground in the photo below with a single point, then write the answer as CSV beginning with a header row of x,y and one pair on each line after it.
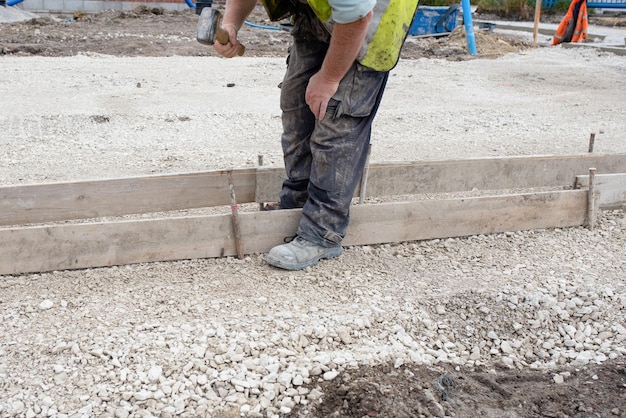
x,y
519,324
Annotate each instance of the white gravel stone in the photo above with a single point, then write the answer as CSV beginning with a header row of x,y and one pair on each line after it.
x,y
297,380
154,374
285,379
583,358
121,413
344,335
142,395
46,304
18,407
330,375
505,347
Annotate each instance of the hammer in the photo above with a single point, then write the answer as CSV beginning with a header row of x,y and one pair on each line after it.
x,y
210,30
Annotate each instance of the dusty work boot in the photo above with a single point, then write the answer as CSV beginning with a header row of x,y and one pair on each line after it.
x,y
300,253
270,206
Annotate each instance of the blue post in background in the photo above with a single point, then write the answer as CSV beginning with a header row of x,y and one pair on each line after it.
x,y
469,27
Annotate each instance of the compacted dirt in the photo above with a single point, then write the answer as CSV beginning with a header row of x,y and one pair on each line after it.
x,y
392,389
152,32
385,391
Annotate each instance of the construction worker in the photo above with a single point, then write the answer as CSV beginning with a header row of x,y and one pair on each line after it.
x,y
336,73
573,27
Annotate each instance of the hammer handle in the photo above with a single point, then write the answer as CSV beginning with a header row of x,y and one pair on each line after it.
x,y
222,37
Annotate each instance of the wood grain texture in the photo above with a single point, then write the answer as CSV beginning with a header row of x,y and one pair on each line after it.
x,y
610,188
40,203
388,179
74,246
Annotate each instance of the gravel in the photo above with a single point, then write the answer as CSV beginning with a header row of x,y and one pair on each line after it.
x,y
223,337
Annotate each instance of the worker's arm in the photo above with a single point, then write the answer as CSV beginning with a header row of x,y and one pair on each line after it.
x,y
234,16
345,43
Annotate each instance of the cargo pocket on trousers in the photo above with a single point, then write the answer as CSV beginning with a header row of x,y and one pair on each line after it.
x,y
359,95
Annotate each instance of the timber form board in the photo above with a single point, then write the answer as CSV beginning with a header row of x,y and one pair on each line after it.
x,y
36,234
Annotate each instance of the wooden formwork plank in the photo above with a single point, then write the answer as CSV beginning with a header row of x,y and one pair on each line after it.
x,y
387,179
72,246
429,219
611,189
49,202
75,246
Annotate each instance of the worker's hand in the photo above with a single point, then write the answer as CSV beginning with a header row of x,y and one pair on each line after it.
x,y
232,48
318,94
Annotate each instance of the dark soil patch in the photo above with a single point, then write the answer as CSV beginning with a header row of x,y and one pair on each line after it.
x,y
443,390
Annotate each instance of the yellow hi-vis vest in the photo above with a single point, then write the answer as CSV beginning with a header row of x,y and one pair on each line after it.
x,y
386,33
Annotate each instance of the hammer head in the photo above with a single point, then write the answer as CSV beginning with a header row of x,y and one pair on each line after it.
x,y
209,27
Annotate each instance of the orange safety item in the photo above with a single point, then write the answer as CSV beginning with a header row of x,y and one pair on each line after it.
x,y
573,27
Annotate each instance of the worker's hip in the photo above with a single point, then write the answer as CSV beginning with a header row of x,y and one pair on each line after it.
x,y
307,26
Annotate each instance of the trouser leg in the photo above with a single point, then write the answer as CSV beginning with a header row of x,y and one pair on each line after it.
x,y
324,160
304,61
339,145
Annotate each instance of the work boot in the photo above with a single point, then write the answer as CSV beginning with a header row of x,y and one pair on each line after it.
x,y
300,254
270,206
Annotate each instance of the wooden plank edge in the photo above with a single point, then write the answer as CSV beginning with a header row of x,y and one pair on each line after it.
x,y
611,189
448,176
77,246
409,221
50,202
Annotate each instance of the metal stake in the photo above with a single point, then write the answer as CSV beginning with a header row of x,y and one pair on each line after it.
x,y
260,160
592,140
235,213
364,175
591,200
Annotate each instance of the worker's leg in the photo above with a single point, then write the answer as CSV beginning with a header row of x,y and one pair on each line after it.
x,y
339,147
338,153
306,55
304,60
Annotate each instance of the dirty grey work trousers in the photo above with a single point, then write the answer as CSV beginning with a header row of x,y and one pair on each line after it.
x,y
324,160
